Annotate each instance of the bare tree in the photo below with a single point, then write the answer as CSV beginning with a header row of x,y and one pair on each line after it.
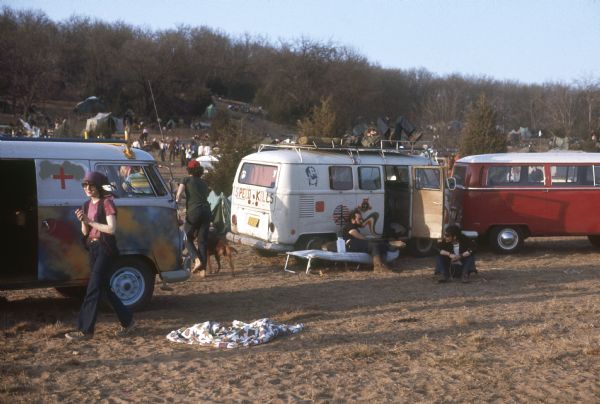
x,y
28,63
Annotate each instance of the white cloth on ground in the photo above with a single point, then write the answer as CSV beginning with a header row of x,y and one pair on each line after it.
x,y
212,333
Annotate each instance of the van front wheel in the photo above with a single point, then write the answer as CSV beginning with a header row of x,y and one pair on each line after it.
x,y
421,246
132,280
506,239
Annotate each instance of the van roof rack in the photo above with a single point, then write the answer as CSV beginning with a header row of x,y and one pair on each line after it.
x,y
60,139
384,146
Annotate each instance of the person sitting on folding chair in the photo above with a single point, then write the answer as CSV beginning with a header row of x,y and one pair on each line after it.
x,y
456,254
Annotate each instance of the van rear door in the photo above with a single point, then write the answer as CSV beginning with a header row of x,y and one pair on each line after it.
x,y
427,202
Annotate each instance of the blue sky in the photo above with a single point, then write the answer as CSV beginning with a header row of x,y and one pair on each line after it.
x,y
530,41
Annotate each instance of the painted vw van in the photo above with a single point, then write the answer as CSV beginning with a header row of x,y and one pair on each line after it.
x,y
509,197
292,197
42,247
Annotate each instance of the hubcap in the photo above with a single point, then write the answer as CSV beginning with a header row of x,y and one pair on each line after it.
x,y
128,284
508,239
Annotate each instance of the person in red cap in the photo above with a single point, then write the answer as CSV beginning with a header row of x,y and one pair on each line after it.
x,y
98,218
198,214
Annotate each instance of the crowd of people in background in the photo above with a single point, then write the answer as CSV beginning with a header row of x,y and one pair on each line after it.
x,y
173,149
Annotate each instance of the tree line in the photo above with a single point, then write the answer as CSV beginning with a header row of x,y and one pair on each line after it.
x,y
79,57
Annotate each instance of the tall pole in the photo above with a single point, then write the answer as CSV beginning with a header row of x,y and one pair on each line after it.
x,y
162,136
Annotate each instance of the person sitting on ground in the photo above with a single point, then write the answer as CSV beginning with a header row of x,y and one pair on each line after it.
x,y
455,250
356,242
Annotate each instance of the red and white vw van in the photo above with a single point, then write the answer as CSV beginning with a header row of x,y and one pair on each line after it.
x,y
511,196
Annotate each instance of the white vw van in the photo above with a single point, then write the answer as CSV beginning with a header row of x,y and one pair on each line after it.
x,y
292,197
42,247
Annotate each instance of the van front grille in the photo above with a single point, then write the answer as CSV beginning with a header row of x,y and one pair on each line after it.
x,y
307,206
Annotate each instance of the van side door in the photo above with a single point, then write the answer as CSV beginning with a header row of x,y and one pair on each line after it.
x,y
427,215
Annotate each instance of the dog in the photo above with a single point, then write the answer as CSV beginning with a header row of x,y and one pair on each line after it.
x,y
217,245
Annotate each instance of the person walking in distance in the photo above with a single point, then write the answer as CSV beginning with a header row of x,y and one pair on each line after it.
x,y
98,218
198,214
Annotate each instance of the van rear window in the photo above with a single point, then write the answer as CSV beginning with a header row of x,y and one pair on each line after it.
x,y
258,174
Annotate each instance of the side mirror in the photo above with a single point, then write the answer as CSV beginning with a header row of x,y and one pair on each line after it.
x,y
451,183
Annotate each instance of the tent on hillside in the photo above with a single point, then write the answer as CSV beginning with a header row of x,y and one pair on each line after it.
x,y
104,124
220,207
90,105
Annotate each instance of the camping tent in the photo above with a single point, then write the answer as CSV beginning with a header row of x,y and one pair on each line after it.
x,y
207,162
220,207
90,105
104,124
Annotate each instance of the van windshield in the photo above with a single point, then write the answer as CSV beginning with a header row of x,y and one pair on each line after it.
x,y
258,174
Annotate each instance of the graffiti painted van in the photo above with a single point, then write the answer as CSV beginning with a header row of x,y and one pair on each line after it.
x,y
42,247
298,197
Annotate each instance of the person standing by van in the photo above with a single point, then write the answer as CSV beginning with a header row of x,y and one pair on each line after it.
x,y
198,214
98,218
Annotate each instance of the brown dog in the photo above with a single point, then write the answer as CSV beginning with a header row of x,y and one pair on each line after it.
x,y
217,245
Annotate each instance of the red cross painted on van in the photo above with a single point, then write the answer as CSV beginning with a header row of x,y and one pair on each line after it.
x,y
62,177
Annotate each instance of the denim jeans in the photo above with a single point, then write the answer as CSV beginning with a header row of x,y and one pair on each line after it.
x,y
98,287
442,265
197,224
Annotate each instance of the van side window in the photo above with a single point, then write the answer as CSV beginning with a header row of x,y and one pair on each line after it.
x,y
369,178
597,176
340,178
258,174
535,175
427,179
503,175
568,176
128,180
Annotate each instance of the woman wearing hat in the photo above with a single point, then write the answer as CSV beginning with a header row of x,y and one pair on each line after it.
x,y
198,214
98,218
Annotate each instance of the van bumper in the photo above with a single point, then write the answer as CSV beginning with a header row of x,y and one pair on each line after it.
x,y
259,244
179,275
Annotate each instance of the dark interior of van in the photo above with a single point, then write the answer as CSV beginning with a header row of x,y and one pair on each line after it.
x,y
397,201
18,220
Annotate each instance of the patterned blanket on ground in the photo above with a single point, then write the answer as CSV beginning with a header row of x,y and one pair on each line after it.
x,y
212,333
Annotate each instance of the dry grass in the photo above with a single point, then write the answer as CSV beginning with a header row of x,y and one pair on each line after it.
x,y
526,329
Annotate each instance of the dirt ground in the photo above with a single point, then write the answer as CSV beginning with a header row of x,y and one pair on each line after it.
x,y
526,328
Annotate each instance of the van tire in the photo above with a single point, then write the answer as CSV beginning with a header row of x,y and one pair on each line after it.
x,y
72,292
266,253
506,239
132,279
315,243
594,240
421,246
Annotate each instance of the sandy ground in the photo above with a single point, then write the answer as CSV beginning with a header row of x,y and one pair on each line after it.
x,y
526,329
